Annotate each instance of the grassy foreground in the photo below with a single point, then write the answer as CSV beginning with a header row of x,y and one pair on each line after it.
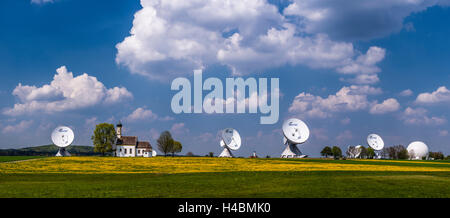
x,y
217,177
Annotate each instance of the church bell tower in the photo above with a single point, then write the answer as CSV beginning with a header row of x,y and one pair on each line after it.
x,y
119,130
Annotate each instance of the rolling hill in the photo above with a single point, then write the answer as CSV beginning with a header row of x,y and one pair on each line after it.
x,y
49,150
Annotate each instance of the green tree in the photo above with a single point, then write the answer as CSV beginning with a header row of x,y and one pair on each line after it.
x,y
176,148
398,152
210,154
104,137
436,155
326,152
402,153
337,152
363,153
370,153
165,142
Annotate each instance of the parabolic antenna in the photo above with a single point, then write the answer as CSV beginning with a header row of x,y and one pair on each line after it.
x,y
62,136
154,153
231,140
358,150
417,150
295,132
375,142
354,151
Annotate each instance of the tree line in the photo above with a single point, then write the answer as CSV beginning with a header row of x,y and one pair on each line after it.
x,y
397,152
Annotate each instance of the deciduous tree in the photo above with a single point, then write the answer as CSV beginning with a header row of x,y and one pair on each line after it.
x,y
165,142
104,137
176,148
337,152
326,152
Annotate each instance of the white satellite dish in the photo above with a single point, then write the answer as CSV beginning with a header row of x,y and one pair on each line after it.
x,y
375,142
354,151
417,150
154,153
231,140
295,132
62,136
358,150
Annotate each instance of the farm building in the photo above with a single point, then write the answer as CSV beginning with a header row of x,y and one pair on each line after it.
x,y
130,146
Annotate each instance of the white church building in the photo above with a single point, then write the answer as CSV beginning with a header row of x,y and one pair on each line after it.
x,y
130,146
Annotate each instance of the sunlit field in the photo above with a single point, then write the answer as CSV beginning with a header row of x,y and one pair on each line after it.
x,y
207,177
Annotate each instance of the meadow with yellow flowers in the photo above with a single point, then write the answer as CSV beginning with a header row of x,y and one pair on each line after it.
x,y
222,177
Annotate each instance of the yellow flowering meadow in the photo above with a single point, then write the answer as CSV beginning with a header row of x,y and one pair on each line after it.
x,y
168,165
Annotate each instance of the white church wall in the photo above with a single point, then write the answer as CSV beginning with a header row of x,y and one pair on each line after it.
x,y
126,151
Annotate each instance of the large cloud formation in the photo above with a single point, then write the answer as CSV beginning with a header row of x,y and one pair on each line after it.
x,y
172,37
65,92
347,99
356,19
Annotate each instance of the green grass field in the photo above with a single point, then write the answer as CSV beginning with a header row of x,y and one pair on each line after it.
x,y
216,177
17,158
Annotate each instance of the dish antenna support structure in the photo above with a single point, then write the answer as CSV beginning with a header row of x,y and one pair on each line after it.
x,y
230,140
295,132
376,143
62,136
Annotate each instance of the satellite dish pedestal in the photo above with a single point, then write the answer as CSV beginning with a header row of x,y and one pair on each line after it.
x,y
292,151
226,153
62,153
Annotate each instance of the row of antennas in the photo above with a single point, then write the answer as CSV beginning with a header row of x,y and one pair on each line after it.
x,y
295,132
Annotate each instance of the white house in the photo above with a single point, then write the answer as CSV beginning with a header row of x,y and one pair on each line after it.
x,y
129,146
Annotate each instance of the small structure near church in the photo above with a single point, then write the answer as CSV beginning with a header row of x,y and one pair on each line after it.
x,y
130,146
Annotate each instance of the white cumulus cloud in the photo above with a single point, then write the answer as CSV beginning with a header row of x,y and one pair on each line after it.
x,y
442,94
418,116
356,19
141,114
20,127
353,98
388,105
172,37
406,93
145,114
65,92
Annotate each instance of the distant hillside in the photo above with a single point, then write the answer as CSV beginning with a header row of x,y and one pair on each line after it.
x,y
49,150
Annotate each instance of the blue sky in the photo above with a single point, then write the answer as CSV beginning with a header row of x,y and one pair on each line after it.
x,y
346,70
